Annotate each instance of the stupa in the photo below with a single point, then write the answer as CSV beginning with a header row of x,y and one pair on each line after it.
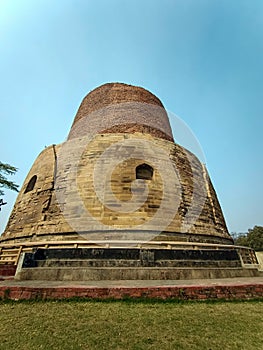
x,y
120,199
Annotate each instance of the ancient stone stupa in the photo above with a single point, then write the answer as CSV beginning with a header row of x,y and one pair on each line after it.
x,y
121,200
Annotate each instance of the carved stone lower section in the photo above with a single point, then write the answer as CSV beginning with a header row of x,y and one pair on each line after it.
x,y
83,264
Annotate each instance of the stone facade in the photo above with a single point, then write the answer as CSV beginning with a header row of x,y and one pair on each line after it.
x,y
37,213
63,203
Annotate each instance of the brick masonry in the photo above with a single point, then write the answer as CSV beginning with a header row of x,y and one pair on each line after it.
x,y
121,108
227,292
7,270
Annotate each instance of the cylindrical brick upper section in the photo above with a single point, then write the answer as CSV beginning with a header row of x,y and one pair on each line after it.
x,y
118,107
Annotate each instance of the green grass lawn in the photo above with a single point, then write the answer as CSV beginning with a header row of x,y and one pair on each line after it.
x,y
131,325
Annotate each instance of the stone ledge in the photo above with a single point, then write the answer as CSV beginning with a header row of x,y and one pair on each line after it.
x,y
145,273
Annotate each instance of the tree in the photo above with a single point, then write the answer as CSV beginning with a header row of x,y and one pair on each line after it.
x,y
7,169
253,238
240,239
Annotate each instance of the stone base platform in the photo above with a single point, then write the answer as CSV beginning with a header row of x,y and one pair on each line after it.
x,y
180,271
213,289
114,264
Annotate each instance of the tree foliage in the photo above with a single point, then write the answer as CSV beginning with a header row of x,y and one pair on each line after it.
x,y
253,238
7,170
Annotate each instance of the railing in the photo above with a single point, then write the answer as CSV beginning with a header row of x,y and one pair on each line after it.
x,y
9,255
10,252
248,256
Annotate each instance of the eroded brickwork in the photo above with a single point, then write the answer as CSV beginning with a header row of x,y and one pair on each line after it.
x,y
114,93
121,108
195,292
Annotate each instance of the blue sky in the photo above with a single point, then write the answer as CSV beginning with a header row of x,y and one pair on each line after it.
x,y
202,58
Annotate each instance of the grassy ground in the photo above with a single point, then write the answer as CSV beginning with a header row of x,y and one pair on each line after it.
x,y
131,325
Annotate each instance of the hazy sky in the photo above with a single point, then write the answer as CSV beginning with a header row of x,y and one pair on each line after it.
x,y
202,58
